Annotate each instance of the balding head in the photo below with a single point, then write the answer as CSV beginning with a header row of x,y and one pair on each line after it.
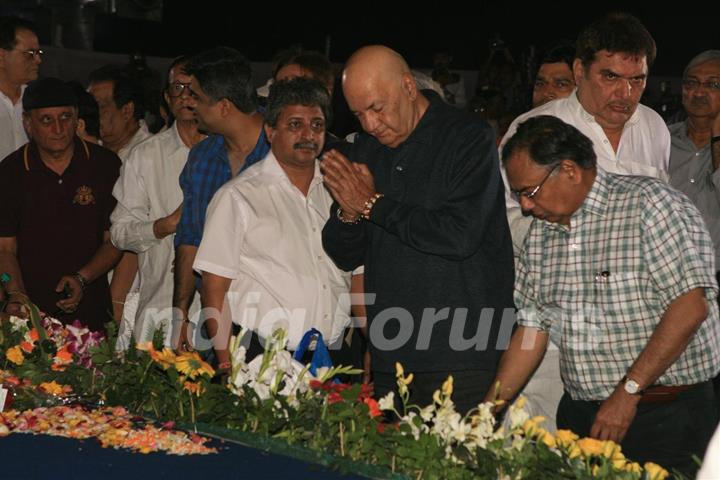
x,y
382,93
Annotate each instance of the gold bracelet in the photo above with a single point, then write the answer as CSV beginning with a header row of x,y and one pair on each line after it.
x,y
370,204
347,222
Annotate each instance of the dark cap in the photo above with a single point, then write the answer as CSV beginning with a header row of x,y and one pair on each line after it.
x,y
48,92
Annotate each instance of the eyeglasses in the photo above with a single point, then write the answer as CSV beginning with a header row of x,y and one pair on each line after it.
x,y
32,54
530,192
692,84
176,89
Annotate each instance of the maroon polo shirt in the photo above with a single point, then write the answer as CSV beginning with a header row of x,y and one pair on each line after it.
x,y
59,221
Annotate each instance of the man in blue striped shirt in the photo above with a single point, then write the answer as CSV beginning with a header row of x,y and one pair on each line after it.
x,y
225,105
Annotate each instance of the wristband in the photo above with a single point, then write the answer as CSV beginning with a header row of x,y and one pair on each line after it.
x,y
80,279
370,204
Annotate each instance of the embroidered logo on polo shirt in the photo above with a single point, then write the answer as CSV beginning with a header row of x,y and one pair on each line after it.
x,y
84,195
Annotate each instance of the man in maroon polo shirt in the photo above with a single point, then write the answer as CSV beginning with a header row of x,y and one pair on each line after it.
x,y
55,205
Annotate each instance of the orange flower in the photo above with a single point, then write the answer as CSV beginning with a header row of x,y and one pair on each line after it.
x,y
192,365
63,356
165,358
373,406
34,335
54,388
27,347
15,355
193,387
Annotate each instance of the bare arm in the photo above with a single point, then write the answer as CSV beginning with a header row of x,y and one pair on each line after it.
x,y
676,328
14,287
218,320
121,282
105,258
184,288
526,351
162,227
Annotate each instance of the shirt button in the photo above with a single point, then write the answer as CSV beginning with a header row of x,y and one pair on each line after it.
x,y
60,182
605,141
399,168
314,229
697,154
320,257
692,180
324,287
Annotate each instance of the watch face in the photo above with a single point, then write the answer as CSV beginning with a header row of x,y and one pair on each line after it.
x,y
632,387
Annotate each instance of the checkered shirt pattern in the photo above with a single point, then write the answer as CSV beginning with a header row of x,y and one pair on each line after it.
x,y
604,283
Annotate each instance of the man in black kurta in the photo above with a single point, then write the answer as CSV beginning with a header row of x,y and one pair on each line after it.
x,y
422,207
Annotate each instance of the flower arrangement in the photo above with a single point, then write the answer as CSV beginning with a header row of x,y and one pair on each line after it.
x,y
277,398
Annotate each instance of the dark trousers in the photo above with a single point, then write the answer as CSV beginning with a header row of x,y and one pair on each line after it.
x,y
664,433
469,387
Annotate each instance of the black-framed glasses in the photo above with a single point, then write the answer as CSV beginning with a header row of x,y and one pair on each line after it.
x,y
32,53
176,89
530,192
692,84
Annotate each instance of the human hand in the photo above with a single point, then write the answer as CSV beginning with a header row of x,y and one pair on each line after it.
x,y
162,227
74,293
17,305
184,344
350,184
615,416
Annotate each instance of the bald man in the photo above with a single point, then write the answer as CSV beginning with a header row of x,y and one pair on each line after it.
x,y
419,202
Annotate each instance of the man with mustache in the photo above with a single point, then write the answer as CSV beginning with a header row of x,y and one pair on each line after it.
x,y
261,255
612,58
148,209
695,150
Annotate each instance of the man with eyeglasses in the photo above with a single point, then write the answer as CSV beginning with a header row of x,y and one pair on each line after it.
x,y
695,148
612,58
148,209
20,58
55,204
618,269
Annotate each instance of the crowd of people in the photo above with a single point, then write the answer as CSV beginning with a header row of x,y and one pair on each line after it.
x,y
568,254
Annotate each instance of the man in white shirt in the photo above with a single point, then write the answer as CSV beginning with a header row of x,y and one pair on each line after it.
x,y
611,64
20,58
261,255
121,107
148,210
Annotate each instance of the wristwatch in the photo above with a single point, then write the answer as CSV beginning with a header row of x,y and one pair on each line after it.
x,y
631,386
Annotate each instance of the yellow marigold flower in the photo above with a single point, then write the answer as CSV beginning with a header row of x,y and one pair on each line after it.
x,y
565,438
547,438
15,355
190,364
399,371
532,426
447,386
633,467
613,452
574,451
166,358
520,402
590,447
53,388
655,471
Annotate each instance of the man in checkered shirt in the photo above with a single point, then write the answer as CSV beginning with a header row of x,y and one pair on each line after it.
x,y
620,271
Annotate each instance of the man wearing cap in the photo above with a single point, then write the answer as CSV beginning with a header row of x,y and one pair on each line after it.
x,y
55,205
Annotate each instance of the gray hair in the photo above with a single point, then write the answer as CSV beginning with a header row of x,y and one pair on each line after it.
x,y
700,58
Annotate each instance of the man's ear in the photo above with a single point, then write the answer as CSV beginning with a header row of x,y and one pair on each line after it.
x,y
578,70
80,126
572,170
409,85
128,110
269,132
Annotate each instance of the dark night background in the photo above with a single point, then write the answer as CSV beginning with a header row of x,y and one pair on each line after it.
x,y
170,27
